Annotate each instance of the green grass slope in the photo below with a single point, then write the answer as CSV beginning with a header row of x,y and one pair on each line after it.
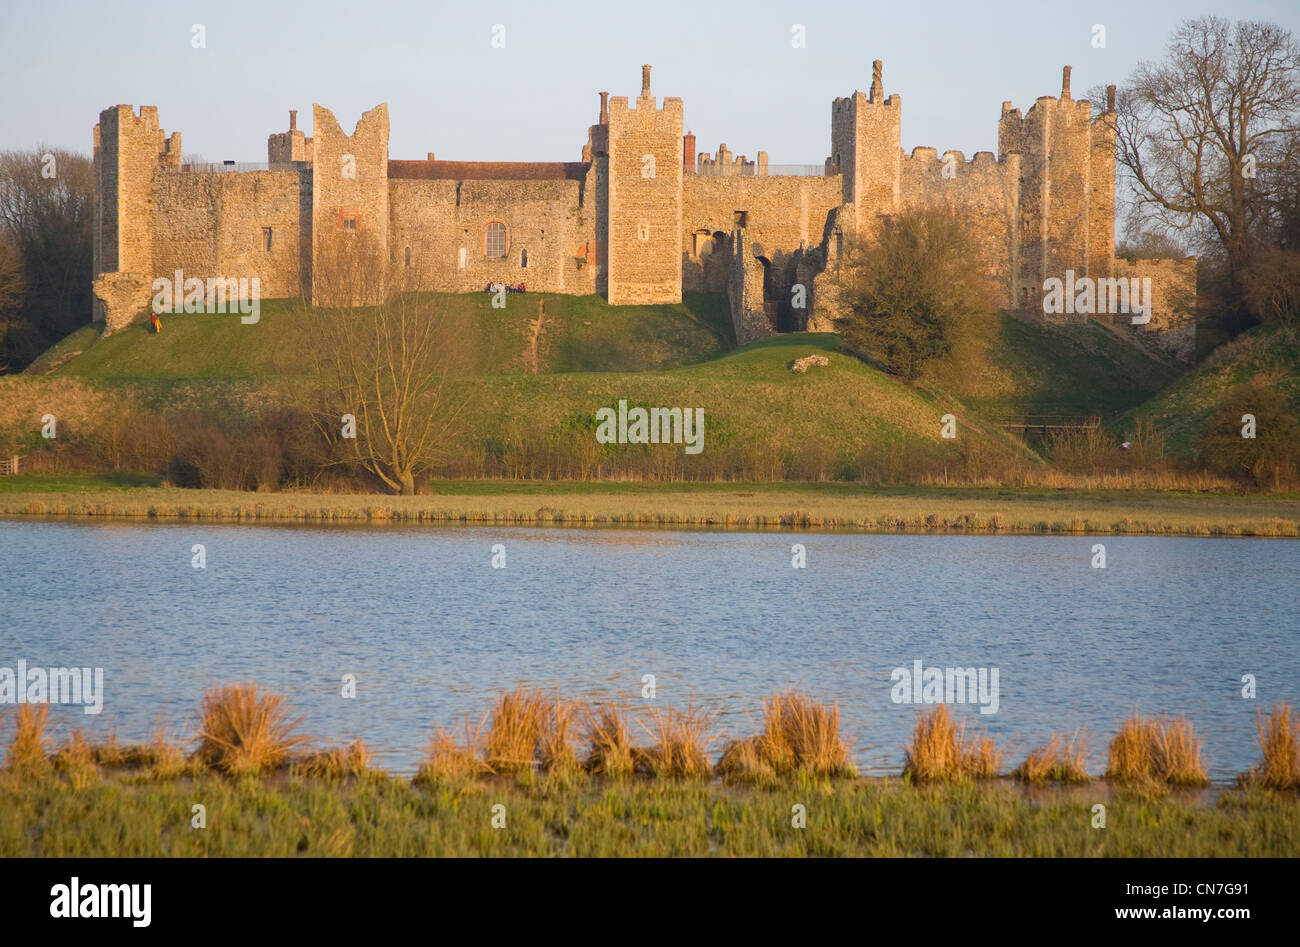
x,y
578,333
1267,355
830,421
1036,368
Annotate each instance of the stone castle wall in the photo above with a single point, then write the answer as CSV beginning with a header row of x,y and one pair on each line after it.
x,y
984,192
548,230
214,225
778,214
1173,302
640,218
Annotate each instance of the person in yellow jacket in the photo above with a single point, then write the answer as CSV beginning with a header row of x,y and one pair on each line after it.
x,y
155,323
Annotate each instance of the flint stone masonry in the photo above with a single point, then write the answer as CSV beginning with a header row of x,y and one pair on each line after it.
x,y
640,218
801,365
124,298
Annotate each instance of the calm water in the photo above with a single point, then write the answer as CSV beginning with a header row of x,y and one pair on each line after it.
x,y
432,631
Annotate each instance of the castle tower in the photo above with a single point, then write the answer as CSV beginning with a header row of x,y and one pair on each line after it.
x,y
129,150
349,190
645,199
1101,192
290,146
1067,187
866,147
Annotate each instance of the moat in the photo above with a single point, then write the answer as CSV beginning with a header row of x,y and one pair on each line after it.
x,y
433,632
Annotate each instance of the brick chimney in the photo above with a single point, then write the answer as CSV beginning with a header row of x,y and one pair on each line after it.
x,y
1065,84
604,108
645,81
688,152
293,119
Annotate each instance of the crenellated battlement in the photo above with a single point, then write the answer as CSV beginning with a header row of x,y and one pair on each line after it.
x,y
641,216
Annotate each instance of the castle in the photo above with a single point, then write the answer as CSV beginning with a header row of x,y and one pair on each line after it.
x,y
640,219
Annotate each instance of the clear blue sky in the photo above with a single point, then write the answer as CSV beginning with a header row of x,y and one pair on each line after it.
x,y
450,92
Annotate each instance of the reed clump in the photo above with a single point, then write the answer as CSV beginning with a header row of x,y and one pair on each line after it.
x,y
1062,759
556,749
941,750
515,734
356,760
1157,750
682,739
610,752
29,748
1279,746
244,732
449,760
76,760
799,736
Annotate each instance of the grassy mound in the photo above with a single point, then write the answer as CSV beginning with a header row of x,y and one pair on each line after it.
x,y
578,334
1266,355
1036,368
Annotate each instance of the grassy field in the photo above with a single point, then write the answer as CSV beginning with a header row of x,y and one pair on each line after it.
x,y
1077,370
130,816
1269,355
579,334
829,505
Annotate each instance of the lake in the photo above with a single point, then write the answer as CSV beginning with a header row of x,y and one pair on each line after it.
x,y
433,632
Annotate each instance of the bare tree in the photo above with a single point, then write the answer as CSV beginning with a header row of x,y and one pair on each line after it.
x,y
46,211
1204,134
383,359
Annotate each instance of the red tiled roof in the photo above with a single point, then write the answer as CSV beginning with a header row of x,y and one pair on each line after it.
x,y
488,170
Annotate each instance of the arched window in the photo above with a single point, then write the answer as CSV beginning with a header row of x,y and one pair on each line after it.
x,y
523,259
494,240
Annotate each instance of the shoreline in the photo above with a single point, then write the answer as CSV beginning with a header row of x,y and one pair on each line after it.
x,y
776,507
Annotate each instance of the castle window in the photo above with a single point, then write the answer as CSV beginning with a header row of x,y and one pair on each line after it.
x,y
523,259
349,223
348,217
266,239
408,256
741,218
494,240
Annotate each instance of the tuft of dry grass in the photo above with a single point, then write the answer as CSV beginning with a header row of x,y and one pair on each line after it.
x,y
518,722
76,760
1061,759
555,747
338,763
244,733
681,743
1279,745
29,749
1157,749
799,736
1178,756
448,760
609,742
941,750
745,760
